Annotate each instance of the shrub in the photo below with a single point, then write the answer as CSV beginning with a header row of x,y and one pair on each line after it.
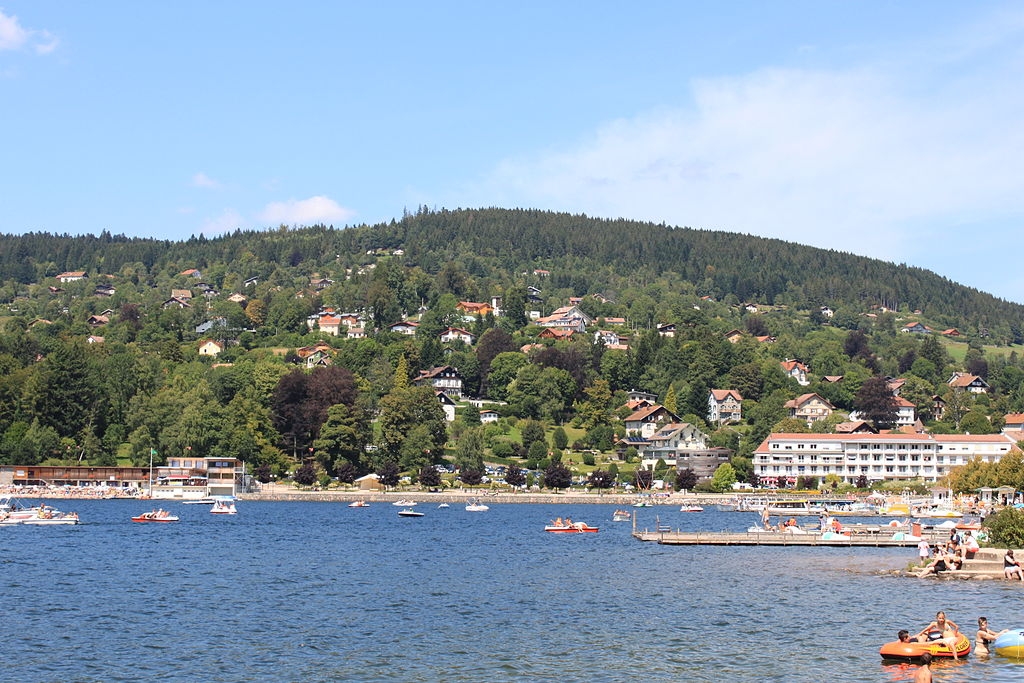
x,y
1006,528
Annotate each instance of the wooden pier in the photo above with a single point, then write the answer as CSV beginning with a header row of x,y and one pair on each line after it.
x,y
858,540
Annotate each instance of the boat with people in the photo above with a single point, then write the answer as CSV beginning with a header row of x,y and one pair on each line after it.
x,y
158,515
13,511
574,528
408,512
359,504
691,508
912,650
794,507
568,526
1010,643
476,506
223,507
622,516
404,503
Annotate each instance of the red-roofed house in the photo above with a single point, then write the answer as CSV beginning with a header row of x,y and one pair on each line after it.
x,y
72,276
644,422
329,324
967,382
796,370
474,308
456,334
810,408
724,405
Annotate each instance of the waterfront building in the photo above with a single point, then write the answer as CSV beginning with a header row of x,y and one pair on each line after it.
x,y
781,458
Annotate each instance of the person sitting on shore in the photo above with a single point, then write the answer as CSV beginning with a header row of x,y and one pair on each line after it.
x,y
1012,567
986,636
938,564
970,545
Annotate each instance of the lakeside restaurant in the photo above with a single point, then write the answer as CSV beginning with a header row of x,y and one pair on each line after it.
x,y
180,479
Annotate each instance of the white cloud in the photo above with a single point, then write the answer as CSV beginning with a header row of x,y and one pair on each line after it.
x,y
318,209
13,36
202,180
877,160
227,221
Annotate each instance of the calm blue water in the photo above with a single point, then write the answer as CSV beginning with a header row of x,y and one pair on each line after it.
x,y
322,592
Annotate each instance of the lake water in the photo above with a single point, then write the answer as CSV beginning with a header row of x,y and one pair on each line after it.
x,y
322,592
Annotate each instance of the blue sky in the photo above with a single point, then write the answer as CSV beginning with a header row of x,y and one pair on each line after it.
x,y
892,130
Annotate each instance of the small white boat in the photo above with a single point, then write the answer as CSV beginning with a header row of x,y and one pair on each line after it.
x,y
691,508
442,506
223,507
359,504
12,511
622,516
476,506
409,513
404,503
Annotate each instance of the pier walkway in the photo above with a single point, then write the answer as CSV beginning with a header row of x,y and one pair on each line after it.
x,y
881,539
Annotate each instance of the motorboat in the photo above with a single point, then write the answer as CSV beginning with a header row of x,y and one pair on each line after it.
x,y
911,651
406,512
404,503
359,504
223,507
476,506
622,516
155,516
443,506
1010,643
691,508
13,511
573,528
794,507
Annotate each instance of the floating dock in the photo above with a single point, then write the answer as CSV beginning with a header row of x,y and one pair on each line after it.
x,y
882,539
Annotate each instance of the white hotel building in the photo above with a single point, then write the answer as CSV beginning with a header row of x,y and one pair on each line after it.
x,y
781,458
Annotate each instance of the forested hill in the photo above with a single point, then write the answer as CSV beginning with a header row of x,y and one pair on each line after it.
x,y
483,252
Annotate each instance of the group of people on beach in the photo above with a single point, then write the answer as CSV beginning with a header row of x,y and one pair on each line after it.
x,y
949,556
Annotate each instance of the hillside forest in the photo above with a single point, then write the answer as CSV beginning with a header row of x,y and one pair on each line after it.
x,y
215,346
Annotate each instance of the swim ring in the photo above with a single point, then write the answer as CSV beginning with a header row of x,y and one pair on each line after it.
x,y
1010,644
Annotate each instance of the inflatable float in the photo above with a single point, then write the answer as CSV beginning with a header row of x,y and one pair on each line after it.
x,y
1010,644
911,651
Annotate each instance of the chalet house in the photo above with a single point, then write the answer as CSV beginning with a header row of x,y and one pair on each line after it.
x,y
533,294
733,336
645,421
796,370
951,332
237,298
97,320
93,339
104,291
206,290
540,272
669,441
174,302
750,308
356,333
320,283
641,395
607,337
191,272
210,347
724,405
938,407
55,290
963,381
456,334
855,427
406,327
350,320
827,312
667,330
447,405
444,378
567,318
473,308
181,294
810,408
611,320
72,276
251,281
555,333
915,328
767,339
831,379
488,416
906,412
329,324
895,384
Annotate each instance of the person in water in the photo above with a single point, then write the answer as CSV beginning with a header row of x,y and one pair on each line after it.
x,y
986,636
924,672
944,631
